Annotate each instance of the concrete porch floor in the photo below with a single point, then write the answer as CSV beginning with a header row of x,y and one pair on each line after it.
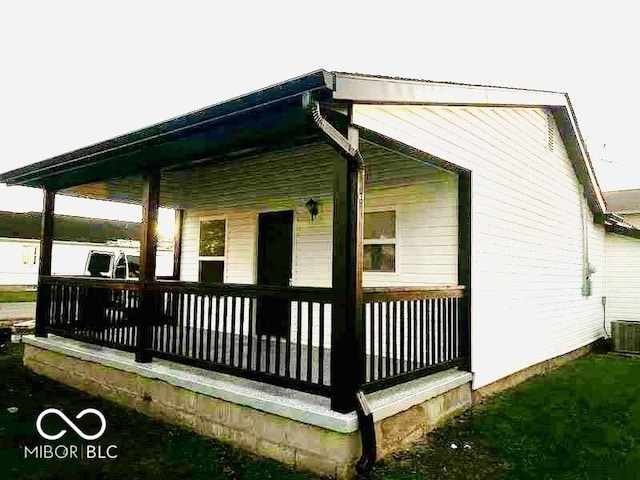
x,y
216,347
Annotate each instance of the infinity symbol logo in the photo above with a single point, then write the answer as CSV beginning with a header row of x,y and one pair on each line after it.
x,y
71,424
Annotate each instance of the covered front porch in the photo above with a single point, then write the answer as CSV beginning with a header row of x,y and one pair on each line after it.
x,y
311,256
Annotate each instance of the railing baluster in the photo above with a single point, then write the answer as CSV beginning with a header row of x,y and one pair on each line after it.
x,y
209,332
278,353
194,326
309,340
387,370
417,306
232,338
250,363
259,345
201,317
454,327
380,340
321,346
225,330
287,350
372,346
268,353
449,330
187,325
241,361
409,336
298,340
216,333
424,339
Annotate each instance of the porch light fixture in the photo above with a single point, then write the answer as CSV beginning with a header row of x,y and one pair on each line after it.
x,y
312,208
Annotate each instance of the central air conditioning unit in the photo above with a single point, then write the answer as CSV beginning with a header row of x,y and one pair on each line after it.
x,y
626,336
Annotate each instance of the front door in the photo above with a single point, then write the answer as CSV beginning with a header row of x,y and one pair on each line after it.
x,y
275,248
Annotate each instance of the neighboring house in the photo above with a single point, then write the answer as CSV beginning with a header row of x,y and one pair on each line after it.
x,y
623,258
338,232
625,203
74,237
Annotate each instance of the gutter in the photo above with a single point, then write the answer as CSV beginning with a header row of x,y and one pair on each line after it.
x,y
367,434
356,160
337,139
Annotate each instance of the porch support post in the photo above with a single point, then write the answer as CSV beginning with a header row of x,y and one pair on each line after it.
x,y
148,247
44,266
464,263
177,243
347,354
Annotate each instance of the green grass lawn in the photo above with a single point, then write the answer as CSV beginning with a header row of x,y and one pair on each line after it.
x,y
17,296
147,448
579,422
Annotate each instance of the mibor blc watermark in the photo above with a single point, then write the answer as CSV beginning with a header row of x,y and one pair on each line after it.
x,y
71,451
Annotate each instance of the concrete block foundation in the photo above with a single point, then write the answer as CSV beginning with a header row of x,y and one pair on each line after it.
x,y
330,449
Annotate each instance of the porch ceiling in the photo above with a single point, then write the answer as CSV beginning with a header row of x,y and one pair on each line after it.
x,y
178,187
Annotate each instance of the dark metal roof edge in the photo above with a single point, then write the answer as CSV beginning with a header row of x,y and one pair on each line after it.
x,y
587,160
442,82
576,149
313,81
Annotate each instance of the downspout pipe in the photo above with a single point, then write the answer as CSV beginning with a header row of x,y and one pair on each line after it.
x,y
331,133
367,435
353,155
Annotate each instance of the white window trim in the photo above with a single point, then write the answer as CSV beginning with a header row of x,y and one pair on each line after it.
x,y
226,244
385,241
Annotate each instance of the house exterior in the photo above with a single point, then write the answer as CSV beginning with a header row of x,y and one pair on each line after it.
x,y
625,203
417,241
75,238
623,265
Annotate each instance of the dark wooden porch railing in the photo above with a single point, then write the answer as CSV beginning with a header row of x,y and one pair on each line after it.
x,y
210,326
412,332
93,310
408,332
216,327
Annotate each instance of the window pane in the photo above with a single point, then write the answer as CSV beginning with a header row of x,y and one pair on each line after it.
x,y
99,264
211,271
134,266
380,225
380,258
212,238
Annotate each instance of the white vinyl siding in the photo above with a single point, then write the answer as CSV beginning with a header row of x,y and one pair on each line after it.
x,y
623,278
424,198
527,253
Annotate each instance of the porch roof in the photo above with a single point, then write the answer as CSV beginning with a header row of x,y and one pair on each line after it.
x,y
274,117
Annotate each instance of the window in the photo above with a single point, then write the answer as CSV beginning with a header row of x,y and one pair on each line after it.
x,y
99,264
121,268
380,241
211,250
133,262
29,255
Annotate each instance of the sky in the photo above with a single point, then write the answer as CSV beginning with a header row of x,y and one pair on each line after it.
x,y
75,73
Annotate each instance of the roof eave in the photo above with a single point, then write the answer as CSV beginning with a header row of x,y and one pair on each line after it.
x,y
377,90
374,90
36,174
